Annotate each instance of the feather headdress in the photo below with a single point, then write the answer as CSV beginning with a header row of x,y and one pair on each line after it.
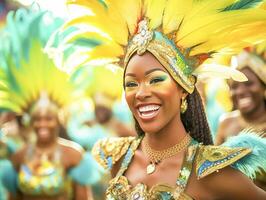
x,y
28,71
253,58
181,34
90,79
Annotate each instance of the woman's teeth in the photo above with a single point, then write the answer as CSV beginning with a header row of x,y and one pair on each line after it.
x,y
148,111
148,108
244,102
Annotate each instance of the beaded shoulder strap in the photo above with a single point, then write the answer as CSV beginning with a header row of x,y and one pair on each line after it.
x,y
185,172
212,158
109,150
128,156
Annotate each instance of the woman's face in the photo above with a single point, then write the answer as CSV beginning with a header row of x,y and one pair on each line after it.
x,y
152,95
45,124
247,96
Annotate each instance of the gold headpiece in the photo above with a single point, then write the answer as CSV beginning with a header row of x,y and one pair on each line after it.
x,y
165,51
253,61
44,103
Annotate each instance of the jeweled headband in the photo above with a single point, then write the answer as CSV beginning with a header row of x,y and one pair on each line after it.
x,y
253,62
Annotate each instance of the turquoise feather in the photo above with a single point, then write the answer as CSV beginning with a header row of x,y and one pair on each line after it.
x,y
87,172
255,162
242,4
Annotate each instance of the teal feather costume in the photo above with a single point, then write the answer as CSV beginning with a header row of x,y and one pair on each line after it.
x,y
24,72
254,162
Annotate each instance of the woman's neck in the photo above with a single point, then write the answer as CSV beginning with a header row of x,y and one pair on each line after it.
x,y
168,136
257,116
46,145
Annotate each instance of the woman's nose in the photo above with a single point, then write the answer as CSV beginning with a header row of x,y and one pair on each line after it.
x,y
240,90
143,92
42,123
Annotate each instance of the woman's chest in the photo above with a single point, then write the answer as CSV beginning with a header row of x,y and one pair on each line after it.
x,y
166,172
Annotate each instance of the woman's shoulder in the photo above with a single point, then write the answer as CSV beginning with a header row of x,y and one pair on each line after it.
x,y
18,157
109,150
72,149
218,169
230,117
70,146
211,158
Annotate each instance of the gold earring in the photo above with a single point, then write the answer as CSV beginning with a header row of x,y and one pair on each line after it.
x,y
183,106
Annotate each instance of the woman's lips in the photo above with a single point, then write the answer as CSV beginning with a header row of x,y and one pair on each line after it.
x,y
43,132
148,112
244,102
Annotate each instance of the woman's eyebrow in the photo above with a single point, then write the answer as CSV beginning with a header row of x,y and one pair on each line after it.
x,y
130,74
146,73
152,70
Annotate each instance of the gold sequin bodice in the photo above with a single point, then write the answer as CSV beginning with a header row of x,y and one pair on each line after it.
x,y
206,159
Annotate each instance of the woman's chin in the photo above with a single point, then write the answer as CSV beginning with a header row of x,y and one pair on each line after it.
x,y
150,129
44,140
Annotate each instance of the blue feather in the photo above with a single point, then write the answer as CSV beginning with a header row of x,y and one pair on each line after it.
x,y
242,4
255,162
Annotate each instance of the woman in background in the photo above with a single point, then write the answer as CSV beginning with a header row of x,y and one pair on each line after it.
x,y
48,168
249,98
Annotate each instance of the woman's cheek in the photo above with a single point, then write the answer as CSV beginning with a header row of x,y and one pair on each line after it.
x,y
161,86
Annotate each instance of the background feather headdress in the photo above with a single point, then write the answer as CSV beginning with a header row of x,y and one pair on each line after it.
x,y
26,71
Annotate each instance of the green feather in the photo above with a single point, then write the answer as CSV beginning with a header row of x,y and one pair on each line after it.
x,y
242,4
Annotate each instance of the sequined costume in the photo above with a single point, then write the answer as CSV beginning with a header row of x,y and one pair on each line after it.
x,y
207,159
45,178
50,178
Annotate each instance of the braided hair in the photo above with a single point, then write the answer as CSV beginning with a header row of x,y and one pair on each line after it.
x,y
194,120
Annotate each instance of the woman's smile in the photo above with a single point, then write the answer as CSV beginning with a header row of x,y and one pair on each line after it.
x,y
148,112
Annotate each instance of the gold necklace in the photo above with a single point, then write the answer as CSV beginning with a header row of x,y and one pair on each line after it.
x,y
259,127
156,156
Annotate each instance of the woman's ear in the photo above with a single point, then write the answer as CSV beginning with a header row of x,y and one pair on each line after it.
x,y
184,94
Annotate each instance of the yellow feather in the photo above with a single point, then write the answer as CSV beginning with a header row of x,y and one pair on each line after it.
x,y
233,40
104,51
32,77
126,6
117,24
154,11
213,24
117,31
85,35
205,8
174,13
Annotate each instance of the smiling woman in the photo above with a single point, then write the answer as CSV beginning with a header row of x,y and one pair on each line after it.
x,y
249,99
42,166
162,43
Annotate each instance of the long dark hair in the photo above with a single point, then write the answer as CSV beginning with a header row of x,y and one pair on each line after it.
x,y
194,120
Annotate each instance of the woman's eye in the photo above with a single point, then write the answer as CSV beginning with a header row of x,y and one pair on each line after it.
x,y
131,84
157,79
